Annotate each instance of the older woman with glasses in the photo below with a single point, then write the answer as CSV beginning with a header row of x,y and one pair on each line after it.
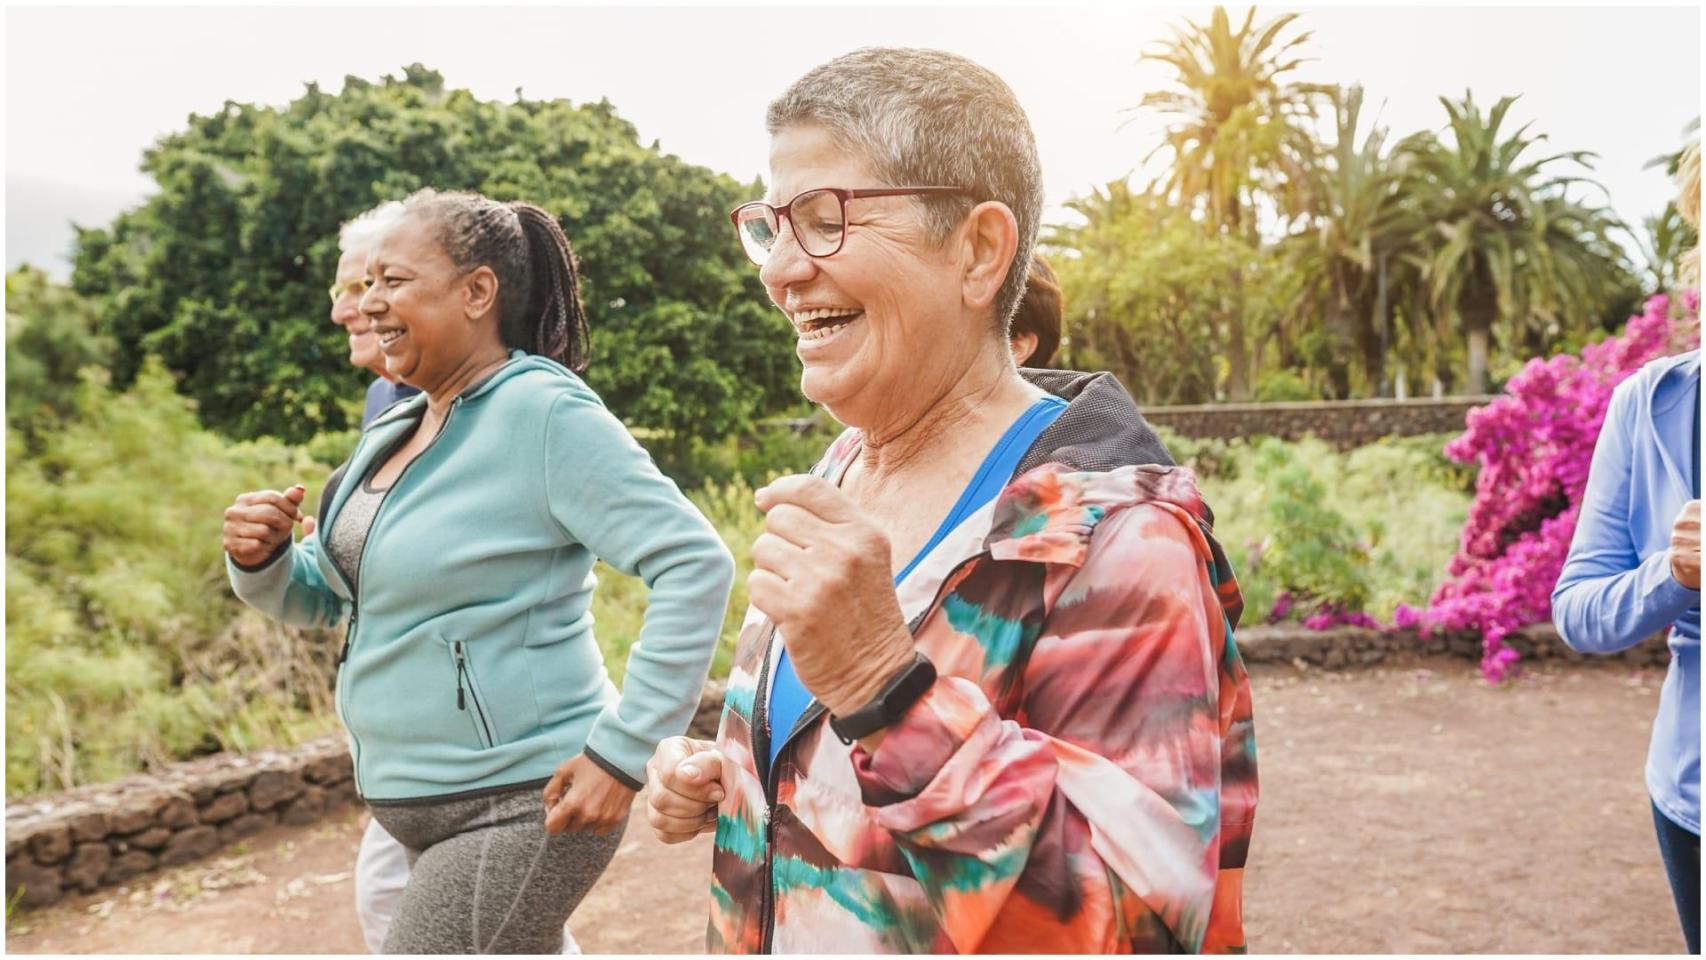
x,y
986,697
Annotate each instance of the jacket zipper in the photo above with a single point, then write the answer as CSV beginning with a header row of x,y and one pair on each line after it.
x,y
761,754
355,593
761,750
462,702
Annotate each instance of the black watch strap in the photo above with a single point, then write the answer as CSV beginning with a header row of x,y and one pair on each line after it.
x,y
895,699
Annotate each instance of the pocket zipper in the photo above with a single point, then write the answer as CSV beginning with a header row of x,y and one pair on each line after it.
x,y
462,699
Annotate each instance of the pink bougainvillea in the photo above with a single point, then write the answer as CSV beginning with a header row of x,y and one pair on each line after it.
x,y
1534,445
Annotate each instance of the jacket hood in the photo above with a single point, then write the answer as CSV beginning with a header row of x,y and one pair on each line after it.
x,y
1099,454
1100,429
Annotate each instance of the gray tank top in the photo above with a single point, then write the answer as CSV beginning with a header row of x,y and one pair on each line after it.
x,y
344,542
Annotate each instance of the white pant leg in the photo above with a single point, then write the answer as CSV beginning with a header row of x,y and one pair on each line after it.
x,y
381,873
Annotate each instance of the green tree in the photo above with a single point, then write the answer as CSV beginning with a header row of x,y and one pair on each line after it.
x,y
1347,253
1502,246
1238,134
1139,279
1663,240
51,334
222,272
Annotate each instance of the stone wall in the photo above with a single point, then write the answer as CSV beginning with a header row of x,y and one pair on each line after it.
x,y
105,834
1356,647
1344,424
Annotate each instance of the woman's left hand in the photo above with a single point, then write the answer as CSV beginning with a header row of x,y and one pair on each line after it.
x,y
821,572
596,802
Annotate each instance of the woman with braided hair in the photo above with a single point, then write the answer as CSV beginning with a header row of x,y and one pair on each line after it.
x,y
458,540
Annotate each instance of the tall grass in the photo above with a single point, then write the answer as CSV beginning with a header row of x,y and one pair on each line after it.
x,y
125,648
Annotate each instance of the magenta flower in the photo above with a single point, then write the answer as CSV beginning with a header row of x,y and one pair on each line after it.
x,y
1534,445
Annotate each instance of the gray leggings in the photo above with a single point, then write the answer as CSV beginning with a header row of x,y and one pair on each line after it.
x,y
484,877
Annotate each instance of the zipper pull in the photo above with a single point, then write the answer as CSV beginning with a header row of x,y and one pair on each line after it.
x,y
349,632
461,703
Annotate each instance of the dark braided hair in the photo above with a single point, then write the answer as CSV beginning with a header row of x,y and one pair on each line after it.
x,y
539,303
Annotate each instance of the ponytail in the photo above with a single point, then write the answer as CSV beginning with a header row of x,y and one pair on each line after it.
x,y
553,323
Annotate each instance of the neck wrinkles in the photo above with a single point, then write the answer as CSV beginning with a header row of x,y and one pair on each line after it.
x,y
469,372
985,393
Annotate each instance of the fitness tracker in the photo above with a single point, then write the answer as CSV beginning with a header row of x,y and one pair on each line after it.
x,y
895,699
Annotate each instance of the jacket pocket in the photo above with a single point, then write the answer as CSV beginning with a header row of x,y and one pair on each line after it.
x,y
468,699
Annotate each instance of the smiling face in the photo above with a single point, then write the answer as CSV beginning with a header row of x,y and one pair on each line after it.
x,y
881,325
426,319
346,313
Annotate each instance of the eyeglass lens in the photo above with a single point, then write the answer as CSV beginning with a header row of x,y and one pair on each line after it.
x,y
817,220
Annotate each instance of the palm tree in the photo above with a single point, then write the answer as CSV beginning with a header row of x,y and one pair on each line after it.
x,y
1502,244
1239,132
1347,251
1663,240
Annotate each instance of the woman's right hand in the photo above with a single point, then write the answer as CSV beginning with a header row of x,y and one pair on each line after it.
x,y
259,522
684,784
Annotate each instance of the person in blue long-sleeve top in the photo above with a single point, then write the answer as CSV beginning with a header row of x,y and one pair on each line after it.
x,y
1634,571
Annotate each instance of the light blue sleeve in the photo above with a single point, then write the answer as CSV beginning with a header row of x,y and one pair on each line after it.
x,y
604,491
290,587
1606,599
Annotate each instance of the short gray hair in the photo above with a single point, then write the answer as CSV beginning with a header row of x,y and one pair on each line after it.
x,y
359,232
929,118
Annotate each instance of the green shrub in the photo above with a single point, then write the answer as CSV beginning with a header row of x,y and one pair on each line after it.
x,y
50,335
333,447
125,646
1279,386
1367,529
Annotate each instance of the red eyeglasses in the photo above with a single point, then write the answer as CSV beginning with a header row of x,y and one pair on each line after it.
x,y
819,217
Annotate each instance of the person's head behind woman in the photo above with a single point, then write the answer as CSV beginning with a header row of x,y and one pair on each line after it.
x,y
1036,326
354,238
460,279
909,293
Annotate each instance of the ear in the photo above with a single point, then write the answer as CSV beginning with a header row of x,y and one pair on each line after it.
x,y
1023,345
480,293
991,238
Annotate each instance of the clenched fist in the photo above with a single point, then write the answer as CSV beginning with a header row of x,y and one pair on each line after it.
x,y
684,784
258,523
1685,546
820,571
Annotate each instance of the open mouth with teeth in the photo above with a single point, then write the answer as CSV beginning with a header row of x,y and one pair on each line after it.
x,y
389,335
824,323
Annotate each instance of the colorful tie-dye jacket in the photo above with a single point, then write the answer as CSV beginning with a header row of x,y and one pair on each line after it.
x,y
1080,779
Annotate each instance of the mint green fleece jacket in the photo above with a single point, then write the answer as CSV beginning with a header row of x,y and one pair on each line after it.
x,y
469,663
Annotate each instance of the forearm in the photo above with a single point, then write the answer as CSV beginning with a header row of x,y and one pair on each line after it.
x,y
607,494
666,669
289,587
1608,613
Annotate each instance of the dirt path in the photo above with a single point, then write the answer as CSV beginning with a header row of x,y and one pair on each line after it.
x,y
1407,809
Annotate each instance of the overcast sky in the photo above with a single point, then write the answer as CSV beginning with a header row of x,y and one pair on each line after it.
x,y
87,89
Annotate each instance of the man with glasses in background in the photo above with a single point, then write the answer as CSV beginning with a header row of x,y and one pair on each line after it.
x,y
353,241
